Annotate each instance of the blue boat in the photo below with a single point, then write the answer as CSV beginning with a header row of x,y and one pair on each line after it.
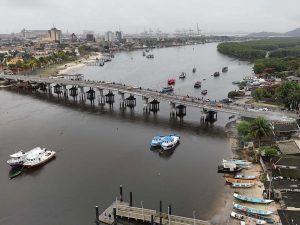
x,y
251,199
167,89
156,141
252,210
256,216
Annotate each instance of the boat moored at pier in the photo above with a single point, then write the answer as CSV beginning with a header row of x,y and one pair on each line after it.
x,y
232,180
242,185
244,177
156,141
252,199
252,210
246,218
229,168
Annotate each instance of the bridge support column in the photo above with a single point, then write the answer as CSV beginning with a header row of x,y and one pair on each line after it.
x,y
154,106
82,95
131,101
91,95
74,92
49,89
173,109
122,100
211,116
180,111
101,97
65,92
146,104
57,90
110,98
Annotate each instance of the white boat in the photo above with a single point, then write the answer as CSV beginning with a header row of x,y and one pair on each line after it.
x,y
239,162
19,158
169,142
244,177
246,218
33,160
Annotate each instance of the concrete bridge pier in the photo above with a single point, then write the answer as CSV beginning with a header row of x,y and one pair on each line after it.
x,y
180,111
43,87
57,89
82,95
74,92
65,91
154,106
131,101
49,88
91,95
122,100
101,97
110,98
173,109
211,116
146,104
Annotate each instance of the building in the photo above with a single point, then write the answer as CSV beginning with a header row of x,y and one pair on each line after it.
x,y
14,61
32,34
73,37
110,36
90,38
285,129
54,35
289,217
119,35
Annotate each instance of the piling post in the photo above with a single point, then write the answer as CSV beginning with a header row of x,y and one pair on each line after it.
x,y
130,202
121,193
170,209
152,220
97,214
115,215
160,211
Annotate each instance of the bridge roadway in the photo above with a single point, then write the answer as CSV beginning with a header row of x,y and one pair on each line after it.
x,y
154,94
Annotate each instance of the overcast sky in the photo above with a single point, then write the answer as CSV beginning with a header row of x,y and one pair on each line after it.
x,y
132,16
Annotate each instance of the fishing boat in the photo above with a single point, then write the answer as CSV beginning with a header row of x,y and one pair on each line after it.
x,y
229,168
242,185
156,141
171,81
216,74
170,142
150,56
252,210
167,89
236,82
33,160
144,53
239,162
204,92
244,177
244,218
251,199
232,180
15,171
182,75
18,158
194,70
197,84
256,216
224,69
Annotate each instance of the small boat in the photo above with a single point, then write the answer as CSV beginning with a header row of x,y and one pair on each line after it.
x,y
170,142
197,84
167,89
256,216
242,185
229,168
224,69
236,82
244,218
156,141
33,160
144,53
239,162
251,199
182,75
147,50
252,210
231,117
18,158
194,70
204,92
244,177
232,180
171,81
216,74
150,56
15,171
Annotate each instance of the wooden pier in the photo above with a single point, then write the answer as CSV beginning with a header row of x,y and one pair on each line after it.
x,y
121,210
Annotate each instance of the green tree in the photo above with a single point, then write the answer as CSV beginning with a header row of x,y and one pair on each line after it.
x,y
288,94
260,93
244,130
260,128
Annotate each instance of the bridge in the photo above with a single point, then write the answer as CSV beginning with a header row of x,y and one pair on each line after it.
x,y
177,102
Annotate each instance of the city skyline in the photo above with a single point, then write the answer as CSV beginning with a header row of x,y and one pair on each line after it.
x,y
232,16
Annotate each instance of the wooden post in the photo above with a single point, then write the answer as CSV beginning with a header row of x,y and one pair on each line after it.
x,y
130,202
152,220
160,211
115,215
170,209
97,213
121,193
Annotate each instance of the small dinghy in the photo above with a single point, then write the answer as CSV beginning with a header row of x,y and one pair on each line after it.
x,y
252,210
242,185
216,74
244,177
15,171
256,216
194,70
251,199
245,218
197,84
224,69
232,180
182,75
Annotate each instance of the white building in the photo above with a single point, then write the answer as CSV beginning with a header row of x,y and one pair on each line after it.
x,y
110,36
55,35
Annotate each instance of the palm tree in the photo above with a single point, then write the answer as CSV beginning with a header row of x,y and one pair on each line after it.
x,y
260,128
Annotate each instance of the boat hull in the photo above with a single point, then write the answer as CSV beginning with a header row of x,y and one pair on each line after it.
x,y
251,200
252,210
41,162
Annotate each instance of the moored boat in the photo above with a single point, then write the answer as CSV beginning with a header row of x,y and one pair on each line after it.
x,y
33,160
244,218
216,74
229,168
197,84
182,75
242,185
156,141
194,70
204,92
167,89
150,56
170,142
15,171
19,158
252,210
256,216
171,81
252,199
236,82
244,177
233,180
239,162
224,69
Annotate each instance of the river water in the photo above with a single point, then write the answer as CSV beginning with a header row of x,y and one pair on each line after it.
x,y
100,148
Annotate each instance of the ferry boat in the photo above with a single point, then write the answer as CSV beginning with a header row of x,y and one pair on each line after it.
x,y
224,69
197,84
182,75
156,141
171,81
232,180
252,210
204,92
242,185
170,142
33,160
19,158
194,70
251,199
167,89
244,218
216,74
244,177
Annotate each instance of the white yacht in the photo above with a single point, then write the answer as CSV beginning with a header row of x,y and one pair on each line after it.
x,y
19,158
33,160
169,142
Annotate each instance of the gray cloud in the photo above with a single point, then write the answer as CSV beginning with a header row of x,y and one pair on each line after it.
x,y
134,15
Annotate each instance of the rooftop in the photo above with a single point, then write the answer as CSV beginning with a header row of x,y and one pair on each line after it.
x,y
285,126
284,184
289,161
289,147
291,199
289,217
291,173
